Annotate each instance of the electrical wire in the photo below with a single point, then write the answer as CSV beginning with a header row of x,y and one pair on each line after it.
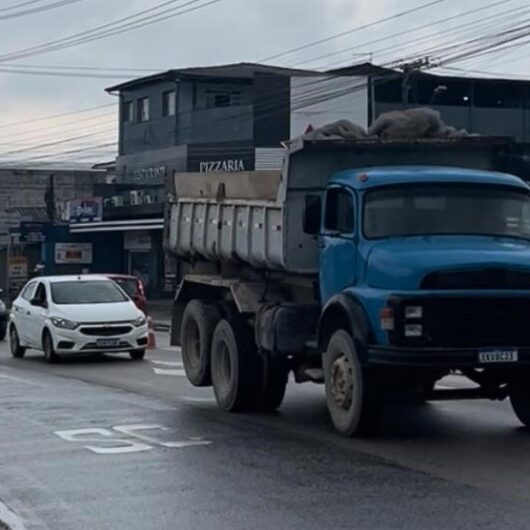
x,y
35,10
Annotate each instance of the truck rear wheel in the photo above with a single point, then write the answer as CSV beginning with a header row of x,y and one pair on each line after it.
x,y
520,400
345,385
196,332
234,367
273,384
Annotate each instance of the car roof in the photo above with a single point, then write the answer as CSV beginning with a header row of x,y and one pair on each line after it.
x,y
371,177
121,276
74,277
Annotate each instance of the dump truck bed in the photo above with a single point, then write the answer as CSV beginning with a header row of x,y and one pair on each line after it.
x,y
256,217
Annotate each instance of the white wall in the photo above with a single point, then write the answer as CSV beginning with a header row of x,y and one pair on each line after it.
x,y
320,100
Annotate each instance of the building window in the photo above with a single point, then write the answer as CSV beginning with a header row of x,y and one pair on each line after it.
x,y
127,111
143,109
169,102
216,99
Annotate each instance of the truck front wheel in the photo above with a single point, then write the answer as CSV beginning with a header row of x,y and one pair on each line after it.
x,y
520,400
345,385
198,324
235,367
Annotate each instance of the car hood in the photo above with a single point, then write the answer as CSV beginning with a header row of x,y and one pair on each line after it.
x,y
401,264
87,313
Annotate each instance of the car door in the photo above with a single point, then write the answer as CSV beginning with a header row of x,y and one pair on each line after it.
x,y
38,315
338,248
21,311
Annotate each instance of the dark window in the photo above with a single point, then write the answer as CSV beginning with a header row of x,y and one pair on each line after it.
x,y
443,92
27,292
40,293
90,292
143,109
215,99
448,209
169,100
339,211
128,285
127,111
498,95
387,90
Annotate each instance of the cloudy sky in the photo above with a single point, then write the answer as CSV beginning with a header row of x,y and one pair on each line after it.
x,y
217,31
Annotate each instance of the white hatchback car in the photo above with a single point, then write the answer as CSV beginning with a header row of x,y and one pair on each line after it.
x,y
76,315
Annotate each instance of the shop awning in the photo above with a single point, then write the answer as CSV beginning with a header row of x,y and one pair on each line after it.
x,y
117,226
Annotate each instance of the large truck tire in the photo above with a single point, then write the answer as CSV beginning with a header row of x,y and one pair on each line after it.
x,y
274,376
198,324
520,400
235,366
346,392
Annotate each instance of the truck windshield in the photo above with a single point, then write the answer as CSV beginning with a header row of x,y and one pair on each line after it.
x,y
447,209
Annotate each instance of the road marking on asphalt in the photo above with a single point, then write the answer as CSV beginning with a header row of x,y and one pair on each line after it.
x,y
198,399
176,370
175,373
11,519
135,440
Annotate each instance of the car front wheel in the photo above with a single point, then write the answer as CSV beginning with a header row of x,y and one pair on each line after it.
x,y
47,346
16,349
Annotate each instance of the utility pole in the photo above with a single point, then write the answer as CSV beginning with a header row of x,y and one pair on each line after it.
x,y
408,70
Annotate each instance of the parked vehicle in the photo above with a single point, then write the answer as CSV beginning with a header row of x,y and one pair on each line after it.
x,y
375,268
4,318
133,286
66,315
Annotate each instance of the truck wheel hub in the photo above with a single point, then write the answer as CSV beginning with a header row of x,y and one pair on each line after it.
x,y
342,382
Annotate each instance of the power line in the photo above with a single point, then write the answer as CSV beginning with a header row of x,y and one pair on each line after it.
x,y
112,28
353,30
21,4
40,9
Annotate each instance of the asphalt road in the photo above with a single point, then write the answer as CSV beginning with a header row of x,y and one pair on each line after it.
x,y
116,444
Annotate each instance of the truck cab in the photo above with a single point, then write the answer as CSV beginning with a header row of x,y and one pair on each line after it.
x,y
436,261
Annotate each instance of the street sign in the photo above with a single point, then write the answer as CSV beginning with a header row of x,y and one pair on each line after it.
x,y
73,253
18,267
85,210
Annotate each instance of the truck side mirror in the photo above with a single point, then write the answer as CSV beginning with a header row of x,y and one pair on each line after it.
x,y
312,214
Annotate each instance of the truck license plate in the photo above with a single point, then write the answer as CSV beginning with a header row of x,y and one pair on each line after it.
x,y
107,343
498,356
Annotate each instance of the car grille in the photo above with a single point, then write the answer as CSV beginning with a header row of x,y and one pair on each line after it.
x,y
96,346
465,322
106,331
477,279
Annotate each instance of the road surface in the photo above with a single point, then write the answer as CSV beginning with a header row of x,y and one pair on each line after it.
x,y
116,444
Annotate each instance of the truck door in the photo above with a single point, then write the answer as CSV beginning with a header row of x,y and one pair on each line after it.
x,y
337,243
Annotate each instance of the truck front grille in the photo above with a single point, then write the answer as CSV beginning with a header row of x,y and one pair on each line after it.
x,y
465,322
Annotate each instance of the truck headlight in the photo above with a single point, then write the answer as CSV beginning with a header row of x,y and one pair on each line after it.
x,y
415,311
413,330
64,323
139,322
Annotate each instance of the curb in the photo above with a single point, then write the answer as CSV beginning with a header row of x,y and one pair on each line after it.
x,y
160,326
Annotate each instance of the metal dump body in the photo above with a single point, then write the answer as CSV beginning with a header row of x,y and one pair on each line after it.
x,y
257,217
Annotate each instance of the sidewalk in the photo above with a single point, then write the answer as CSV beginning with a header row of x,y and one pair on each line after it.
x,y
160,312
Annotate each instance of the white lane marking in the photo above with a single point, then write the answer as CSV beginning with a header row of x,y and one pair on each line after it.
x,y
18,380
179,372
167,363
198,399
114,436
127,446
10,518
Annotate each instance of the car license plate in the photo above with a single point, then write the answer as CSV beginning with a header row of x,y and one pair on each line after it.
x,y
499,355
107,343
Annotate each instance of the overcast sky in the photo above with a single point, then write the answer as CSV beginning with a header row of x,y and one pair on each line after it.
x,y
226,31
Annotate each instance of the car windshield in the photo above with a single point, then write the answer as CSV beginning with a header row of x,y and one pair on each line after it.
x,y
128,285
447,209
86,292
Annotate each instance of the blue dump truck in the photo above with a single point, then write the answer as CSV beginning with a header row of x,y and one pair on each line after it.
x,y
376,268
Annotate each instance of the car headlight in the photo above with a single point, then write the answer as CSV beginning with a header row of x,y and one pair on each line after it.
x,y
63,323
139,322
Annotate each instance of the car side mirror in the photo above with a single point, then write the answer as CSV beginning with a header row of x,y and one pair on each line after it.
x,y
312,214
